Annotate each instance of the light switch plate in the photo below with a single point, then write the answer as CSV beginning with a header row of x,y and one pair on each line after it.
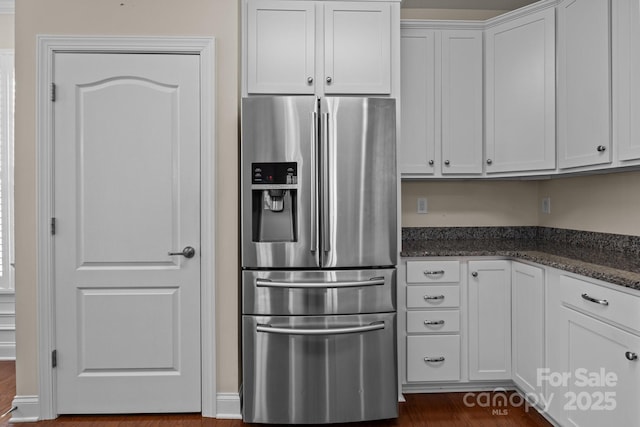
x,y
422,205
546,205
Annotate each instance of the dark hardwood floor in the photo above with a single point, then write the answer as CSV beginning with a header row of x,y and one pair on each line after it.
x,y
420,410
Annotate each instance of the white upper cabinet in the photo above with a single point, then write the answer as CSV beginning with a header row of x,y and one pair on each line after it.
x,y
462,130
520,93
307,47
626,83
281,47
584,83
441,100
357,47
417,102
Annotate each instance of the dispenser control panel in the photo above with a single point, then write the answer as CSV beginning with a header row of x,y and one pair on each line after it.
x,y
274,173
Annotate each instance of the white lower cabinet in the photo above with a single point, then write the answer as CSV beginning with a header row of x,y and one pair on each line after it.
x,y
433,358
527,323
594,372
570,344
433,321
489,320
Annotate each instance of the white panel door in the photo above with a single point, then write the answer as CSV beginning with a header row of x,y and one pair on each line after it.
x,y
584,83
127,191
281,46
520,94
489,320
357,47
418,102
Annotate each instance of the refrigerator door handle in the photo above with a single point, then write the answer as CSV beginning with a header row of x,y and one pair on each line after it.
x,y
266,283
374,326
326,247
314,182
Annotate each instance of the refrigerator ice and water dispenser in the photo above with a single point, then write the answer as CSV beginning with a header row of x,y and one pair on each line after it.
x,y
274,198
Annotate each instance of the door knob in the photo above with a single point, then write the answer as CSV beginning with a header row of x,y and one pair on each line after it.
x,y
474,274
631,355
187,252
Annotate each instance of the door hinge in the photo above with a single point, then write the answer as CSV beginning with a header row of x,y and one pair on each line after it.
x,y
53,226
53,92
54,358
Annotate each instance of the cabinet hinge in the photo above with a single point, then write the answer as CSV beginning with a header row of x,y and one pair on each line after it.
x,y
53,226
54,358
53,92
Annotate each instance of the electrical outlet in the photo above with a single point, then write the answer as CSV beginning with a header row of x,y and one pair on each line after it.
x,y
546,205
422,205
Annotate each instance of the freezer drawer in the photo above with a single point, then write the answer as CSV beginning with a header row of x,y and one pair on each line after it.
x,y
319,369
293,292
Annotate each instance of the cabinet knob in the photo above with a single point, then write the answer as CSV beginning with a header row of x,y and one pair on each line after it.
x,y
309,80
447,162
489,161
431,162
601,148
329,80
631,355
474,274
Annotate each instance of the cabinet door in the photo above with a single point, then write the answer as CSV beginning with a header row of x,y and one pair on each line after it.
x,y
626,66
527,321
357,48
597,351
418,102
584,94
280,46
520,94
489,320
462,130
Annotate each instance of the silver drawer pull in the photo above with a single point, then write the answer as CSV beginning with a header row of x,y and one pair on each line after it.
x,y
434,359
432,272
631,355
433,297
434,322
597,301
266,283
331,331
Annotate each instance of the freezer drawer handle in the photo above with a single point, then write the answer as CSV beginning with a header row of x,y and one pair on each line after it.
x,y
434,359
331,331
597,301
433,297
266,283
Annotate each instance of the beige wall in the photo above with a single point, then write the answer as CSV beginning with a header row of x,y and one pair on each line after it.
x,y
471,203
606,203
6,31
219,18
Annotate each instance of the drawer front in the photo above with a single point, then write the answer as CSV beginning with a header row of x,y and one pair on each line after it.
x,y
433,271
618,307
433,296
423,322
433,358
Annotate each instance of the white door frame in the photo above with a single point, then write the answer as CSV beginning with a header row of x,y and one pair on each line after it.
x,y
48,46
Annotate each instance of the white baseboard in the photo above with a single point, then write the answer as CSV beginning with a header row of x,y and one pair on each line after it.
x,y
7,351
228,406
28,409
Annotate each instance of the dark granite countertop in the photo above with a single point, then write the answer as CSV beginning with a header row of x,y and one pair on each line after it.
x,y
599,261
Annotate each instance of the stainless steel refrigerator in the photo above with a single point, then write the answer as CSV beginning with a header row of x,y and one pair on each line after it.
x,y
319,250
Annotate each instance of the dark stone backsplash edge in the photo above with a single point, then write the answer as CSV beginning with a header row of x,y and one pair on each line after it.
x,y
620,243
